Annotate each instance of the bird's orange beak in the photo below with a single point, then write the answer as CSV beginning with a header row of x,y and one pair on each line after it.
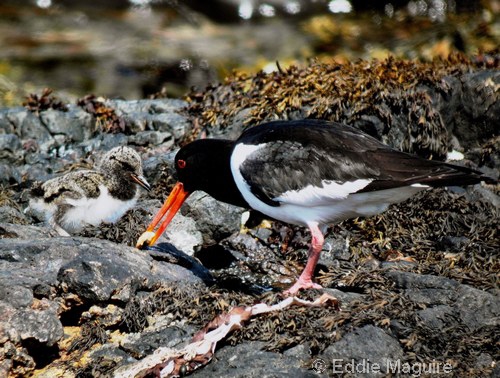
x,y
173,203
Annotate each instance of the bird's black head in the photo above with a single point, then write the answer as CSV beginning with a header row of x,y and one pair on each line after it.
x,y
205,165
201,162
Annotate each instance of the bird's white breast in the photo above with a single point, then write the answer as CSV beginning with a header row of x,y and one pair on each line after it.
x,y
104,208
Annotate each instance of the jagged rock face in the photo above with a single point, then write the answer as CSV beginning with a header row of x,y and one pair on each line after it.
x,y
417,283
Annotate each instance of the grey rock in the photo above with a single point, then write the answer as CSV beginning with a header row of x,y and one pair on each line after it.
x,y
477,192
249,360
75,124
399,329
171,122
481,89
9,174
430,296
484,360
16,296
28,232
141,345
169,105
480,108
154,165
43,326
94,269
29,126
27,262
369,345
496,371
448,102
6,127
104,142
216,220
299,352
37,172
103,270
343,296
7,331
33,158
435,317
262,233
12,215
408,280
475,308
247,243
107,357
452,243
40,326
160,115
184,233
146,106
151,138
336,248
371,124
10,147
135,122
233,130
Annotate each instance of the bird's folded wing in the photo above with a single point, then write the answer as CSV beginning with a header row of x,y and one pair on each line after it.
x,y
321,164
311,167
72,186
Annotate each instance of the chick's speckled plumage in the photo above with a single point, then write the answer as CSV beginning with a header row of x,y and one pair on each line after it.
x,y
70,201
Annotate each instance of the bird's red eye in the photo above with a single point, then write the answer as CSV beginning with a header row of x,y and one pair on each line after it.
x,y
181,163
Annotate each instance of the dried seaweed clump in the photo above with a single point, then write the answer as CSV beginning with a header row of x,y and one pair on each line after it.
x,y
125,231
37,103
366,94
442,233
106,117
92,332
449,236
197,305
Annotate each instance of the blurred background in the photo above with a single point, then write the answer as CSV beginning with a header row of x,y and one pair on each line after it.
x,y
135,49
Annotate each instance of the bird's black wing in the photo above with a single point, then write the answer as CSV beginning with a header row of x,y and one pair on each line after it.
x,y
296,154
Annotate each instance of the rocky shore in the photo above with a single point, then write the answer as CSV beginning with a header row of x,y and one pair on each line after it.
x,y
417,286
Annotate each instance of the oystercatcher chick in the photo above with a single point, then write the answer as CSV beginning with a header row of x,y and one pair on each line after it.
x,y
71,201
309,173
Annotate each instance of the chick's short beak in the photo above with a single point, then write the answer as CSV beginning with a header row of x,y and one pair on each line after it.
x,y
141,180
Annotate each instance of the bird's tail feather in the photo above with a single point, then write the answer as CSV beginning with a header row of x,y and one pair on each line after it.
x,y
455,175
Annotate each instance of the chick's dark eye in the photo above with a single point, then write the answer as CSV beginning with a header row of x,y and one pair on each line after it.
x,y
181,163
128,167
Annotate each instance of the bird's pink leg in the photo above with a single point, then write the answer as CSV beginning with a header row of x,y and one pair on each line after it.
x,y
305,279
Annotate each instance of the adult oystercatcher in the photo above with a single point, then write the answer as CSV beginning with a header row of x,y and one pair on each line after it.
x,y
309,173
70,201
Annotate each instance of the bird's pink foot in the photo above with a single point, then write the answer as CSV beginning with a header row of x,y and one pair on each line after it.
x,y
301,284
305,279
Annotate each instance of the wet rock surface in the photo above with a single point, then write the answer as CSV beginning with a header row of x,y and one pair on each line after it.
x,y
417,284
